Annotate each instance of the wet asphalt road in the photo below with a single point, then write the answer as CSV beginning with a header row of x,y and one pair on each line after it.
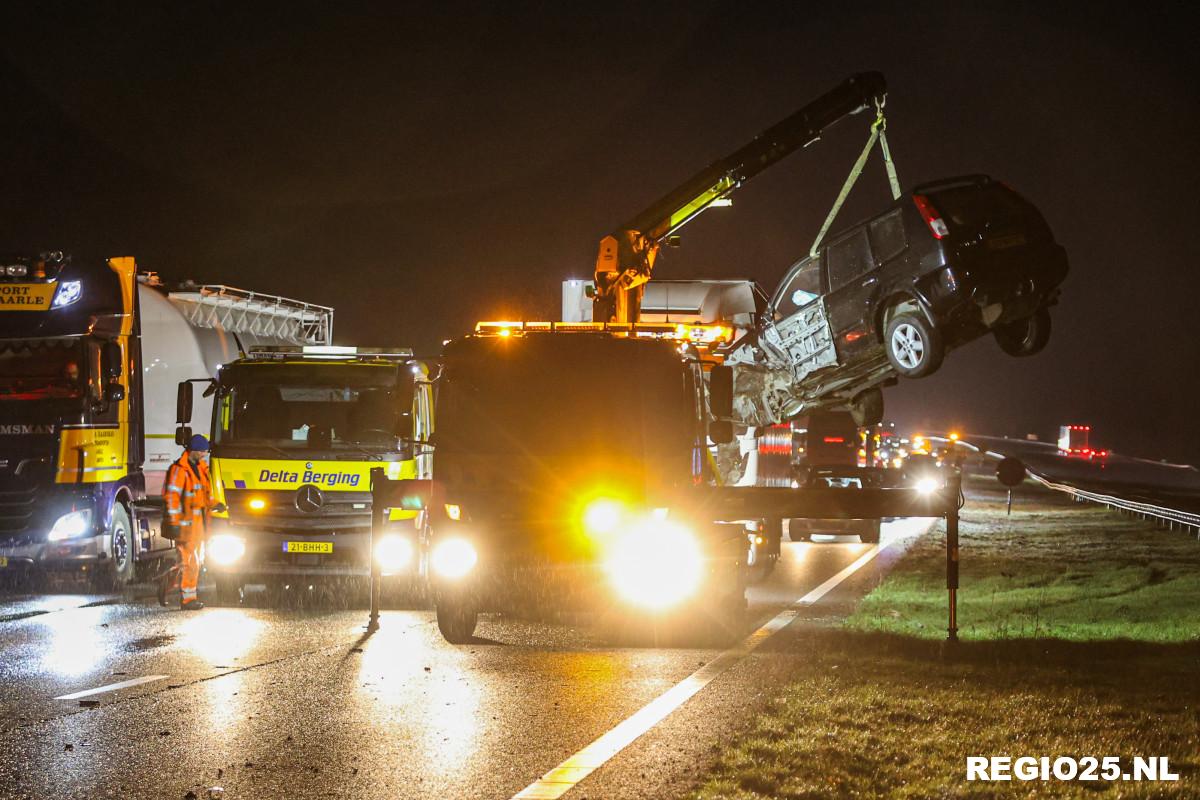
x,y
277,703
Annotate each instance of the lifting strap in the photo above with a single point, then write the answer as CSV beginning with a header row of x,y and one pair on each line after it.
x,y
878,133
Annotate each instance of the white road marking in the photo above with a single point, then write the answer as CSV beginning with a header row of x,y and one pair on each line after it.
x,y
112,687
562,779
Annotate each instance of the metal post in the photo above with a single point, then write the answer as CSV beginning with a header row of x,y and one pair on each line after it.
x,y
1010,502
379,483
954,485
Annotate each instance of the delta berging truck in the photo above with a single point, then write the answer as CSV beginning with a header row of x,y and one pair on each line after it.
x,y
91,352
295,434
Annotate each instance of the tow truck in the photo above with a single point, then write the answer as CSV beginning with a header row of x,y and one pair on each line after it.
x,y
566,455
296,431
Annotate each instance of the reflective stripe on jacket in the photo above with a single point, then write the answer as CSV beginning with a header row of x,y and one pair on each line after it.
x,y
187,492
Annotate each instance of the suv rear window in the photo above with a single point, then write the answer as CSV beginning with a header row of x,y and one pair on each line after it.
x,y
971,206
888,238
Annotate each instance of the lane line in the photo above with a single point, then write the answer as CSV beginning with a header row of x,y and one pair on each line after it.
x,y
562,779
112,687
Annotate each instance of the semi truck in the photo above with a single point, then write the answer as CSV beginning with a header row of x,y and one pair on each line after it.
x,y
295,433
566,457
91,351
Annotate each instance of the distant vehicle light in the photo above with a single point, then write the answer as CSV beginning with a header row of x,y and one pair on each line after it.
x,y
453,511
928,485
68,292
505,332
394,552
834,440
70,525
453,558
16,270
954,437
224,549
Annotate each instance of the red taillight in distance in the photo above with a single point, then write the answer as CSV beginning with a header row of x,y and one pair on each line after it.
x,y
937,225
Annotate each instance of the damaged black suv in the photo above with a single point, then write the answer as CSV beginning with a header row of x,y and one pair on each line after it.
x,y
942,266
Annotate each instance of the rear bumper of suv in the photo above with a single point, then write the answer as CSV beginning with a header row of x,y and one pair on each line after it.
x,y
976,294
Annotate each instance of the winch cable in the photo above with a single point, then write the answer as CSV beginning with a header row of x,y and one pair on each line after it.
x,y
878,134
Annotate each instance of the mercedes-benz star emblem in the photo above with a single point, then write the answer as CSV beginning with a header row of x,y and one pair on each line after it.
x,y
309,499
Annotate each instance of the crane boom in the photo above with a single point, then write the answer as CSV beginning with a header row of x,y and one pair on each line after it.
x,y
627,255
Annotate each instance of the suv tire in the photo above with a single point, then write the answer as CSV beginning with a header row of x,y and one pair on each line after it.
x,y
870,532
914,347
1024,337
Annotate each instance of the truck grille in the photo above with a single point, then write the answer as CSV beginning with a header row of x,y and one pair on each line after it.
x,y
16,511
340,512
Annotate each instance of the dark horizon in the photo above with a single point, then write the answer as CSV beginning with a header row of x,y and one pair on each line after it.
x,y
420,170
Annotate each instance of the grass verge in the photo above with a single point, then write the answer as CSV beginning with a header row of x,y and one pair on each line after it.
x,y
1081,636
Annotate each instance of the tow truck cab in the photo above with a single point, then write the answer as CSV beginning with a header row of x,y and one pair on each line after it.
x,y
296,432
564,456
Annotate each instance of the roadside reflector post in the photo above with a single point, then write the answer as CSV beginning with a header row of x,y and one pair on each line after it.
x,y
953,489
379,493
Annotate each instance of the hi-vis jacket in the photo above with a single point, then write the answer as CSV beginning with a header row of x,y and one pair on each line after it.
x,y
188,492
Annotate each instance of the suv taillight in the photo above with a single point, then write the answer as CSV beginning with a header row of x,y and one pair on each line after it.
x,y
937,225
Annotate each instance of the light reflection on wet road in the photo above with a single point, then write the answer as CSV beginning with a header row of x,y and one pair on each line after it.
x,y
302,704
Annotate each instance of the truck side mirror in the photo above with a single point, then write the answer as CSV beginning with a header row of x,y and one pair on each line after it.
x,y
111,357
183,403
720,391
720,431
183,435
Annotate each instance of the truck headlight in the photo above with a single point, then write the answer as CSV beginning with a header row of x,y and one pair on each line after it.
x,y
70,525
656,564
394,552
225,548
68,292
453,558
602,516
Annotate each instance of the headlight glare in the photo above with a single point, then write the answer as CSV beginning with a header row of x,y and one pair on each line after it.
x,y
928,485
656,564
602,516
70,525
225,548
453,558
394,552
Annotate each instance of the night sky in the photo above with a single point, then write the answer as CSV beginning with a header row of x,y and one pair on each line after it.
x,y
420,169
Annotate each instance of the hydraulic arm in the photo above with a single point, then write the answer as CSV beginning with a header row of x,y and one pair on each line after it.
x,y
627,255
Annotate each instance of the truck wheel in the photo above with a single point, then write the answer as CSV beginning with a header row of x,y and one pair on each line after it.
x,y
799,532
456,617
870,533
866,408
914,347
118,570
1025,337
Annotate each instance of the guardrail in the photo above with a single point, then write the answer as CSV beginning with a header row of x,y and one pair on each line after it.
x,y
1170,517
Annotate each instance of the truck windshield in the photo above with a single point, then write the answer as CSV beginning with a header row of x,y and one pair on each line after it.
x,y
291,406
34,369
567,402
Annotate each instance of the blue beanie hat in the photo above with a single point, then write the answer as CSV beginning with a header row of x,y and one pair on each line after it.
x,y
198,443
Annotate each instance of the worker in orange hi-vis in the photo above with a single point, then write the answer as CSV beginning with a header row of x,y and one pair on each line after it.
x,y
188,495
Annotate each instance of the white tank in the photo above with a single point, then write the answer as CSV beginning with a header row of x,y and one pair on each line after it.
x,y
175,349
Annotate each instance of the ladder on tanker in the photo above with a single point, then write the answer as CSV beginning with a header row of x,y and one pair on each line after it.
x,y
263,315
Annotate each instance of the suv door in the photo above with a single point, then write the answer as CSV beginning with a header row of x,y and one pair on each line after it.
x,y
852,285
800,329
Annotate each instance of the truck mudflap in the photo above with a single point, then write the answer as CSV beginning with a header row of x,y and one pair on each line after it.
x,y
771,366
